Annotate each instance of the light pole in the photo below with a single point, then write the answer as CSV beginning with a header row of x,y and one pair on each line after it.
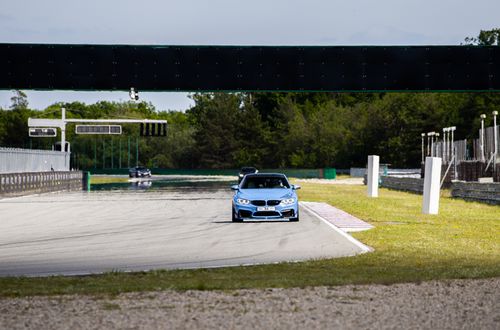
x,y
445,144
423,148
452,141
495,134
437,141
431,135
453,155
483,116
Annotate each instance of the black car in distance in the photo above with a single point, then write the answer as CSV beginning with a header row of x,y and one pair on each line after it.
x,y
139,172
246,170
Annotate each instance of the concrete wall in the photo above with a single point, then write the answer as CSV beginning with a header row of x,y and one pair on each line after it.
x,y
19,184
13,160
481,192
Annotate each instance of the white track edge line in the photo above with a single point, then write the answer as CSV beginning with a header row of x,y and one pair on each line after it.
x,y
364,248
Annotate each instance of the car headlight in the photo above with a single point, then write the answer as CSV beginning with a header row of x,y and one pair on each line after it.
x,y
242,201
288,201
241,175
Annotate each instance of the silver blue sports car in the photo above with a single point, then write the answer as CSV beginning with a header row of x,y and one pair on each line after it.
x,y
265,196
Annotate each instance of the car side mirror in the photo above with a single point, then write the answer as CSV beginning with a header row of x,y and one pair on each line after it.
x,y
295,187
234,187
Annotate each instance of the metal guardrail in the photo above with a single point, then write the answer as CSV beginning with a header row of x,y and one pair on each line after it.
x,y
17,184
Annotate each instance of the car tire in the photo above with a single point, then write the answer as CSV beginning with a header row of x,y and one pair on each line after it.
x,y
296,219
233,216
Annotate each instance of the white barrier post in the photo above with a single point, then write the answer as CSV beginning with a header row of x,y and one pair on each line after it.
x,y
432,185
372,175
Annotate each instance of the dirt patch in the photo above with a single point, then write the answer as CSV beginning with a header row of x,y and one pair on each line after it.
x,y
464,304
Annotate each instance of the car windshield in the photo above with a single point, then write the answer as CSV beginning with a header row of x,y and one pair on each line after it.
x,y
265,182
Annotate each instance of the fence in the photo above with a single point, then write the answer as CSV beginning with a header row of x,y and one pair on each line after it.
x,y
327,173
460,150
480,192
17,184
32,160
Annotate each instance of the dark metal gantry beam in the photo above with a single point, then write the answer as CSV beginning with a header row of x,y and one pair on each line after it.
x,y
250,68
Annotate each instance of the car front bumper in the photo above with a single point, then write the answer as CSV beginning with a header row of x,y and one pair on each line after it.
x,y
252,212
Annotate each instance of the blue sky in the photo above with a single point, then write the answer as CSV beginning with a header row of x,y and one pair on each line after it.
x,y
235,22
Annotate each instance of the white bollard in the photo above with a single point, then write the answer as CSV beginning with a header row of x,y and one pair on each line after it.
x,y
372,175
432,185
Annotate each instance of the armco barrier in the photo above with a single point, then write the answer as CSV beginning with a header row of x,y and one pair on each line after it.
x,y
293,173
19,184
415,185
474,191
481,192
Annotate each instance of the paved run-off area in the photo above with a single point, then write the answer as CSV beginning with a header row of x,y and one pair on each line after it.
x,y
81,233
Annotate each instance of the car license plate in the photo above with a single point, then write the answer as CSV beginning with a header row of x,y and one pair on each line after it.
x,y
266,208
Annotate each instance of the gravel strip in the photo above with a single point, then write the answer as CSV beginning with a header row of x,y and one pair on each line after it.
x,y
457,304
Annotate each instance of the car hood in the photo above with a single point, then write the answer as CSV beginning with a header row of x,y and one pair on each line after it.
x,y
253,194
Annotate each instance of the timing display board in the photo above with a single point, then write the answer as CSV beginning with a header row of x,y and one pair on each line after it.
x,y
42,132
98,129
250,68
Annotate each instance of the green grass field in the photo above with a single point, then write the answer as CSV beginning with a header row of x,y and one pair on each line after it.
x,y
461,242
101,179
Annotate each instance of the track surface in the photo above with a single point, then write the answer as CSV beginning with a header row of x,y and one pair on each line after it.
x,y
82,233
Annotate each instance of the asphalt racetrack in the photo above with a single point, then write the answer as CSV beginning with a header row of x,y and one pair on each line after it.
x,y
163,227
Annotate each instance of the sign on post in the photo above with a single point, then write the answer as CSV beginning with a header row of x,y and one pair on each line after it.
x,y
42,131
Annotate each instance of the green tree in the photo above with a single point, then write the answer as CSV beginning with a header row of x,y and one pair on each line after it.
x,y
19,100
485,38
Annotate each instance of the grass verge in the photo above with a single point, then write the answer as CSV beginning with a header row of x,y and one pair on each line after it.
x,y
460,242
107,179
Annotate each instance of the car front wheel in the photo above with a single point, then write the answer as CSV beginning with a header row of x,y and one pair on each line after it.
x,y
233,216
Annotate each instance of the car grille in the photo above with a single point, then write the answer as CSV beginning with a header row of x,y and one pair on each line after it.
x,y
264,203
266,214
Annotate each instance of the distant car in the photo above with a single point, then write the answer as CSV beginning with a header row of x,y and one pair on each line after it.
x,y
139,172
246,170
265,196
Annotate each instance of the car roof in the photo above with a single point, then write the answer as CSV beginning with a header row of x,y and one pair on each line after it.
x,y
281,175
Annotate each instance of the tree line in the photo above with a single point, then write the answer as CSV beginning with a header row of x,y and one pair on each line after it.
x,y
267,130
